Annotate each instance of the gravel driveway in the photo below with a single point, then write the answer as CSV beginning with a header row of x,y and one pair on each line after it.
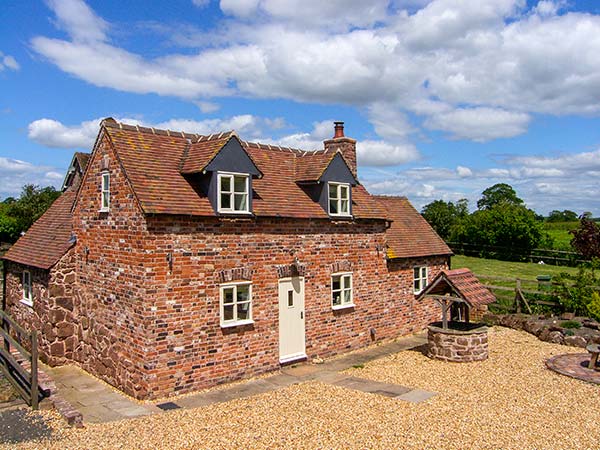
x,y
510,401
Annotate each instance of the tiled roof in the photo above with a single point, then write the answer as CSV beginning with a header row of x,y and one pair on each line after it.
x,y
153,160
311,165
409,235
82,159
47,240
201,152
461,283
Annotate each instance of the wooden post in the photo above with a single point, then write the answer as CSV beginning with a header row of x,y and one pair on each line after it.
x,y
34,370
518,296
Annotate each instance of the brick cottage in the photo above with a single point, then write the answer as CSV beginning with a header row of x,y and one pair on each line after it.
x,y
173,261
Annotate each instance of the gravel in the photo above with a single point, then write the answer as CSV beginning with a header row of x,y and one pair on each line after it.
x,y
510,401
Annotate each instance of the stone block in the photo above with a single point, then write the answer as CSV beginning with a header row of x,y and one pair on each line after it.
x,y
56,290
57,349
64,302
56,315
65,329
575,341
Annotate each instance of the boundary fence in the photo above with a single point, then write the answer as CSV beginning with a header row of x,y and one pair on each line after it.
x,y
18,363
553,257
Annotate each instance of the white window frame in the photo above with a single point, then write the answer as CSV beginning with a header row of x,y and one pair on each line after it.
x,y
27,288
231,209
235,321
421,278
338,199
343,276
105,192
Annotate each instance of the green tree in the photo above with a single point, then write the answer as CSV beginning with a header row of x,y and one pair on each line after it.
x,y
562,216
444,216
31,204
586,238
498,194
506,231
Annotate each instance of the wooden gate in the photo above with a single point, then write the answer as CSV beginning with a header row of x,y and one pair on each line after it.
x,y
21,366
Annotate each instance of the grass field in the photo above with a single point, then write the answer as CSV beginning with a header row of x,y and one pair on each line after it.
x,y
559,232
486,269
493,267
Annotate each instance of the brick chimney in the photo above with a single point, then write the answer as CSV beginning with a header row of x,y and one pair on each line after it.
x,y
345,145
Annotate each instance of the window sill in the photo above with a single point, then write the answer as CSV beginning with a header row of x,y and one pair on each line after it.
x,y
340,216
236,213
103,210
347,306
27,302
239,323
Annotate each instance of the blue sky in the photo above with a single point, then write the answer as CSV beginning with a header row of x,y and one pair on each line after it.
x,y
444,98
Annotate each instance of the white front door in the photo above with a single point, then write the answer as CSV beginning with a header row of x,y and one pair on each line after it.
x,y
291,319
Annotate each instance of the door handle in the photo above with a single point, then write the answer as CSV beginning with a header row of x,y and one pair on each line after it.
x,y
302,314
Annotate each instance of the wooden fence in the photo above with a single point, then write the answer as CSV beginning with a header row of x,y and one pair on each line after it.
x,y
15,367
523,297
553,257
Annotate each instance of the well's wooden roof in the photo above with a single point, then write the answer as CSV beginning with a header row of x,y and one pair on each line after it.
x,y
461,283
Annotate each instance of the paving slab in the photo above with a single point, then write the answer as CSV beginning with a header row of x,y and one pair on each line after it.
x,y
99,403
416,396
372,387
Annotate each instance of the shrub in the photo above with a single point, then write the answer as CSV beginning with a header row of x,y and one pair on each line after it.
x,y
570,324
594,306
576,292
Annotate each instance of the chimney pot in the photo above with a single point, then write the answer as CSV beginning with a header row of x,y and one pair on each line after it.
x,y
339,130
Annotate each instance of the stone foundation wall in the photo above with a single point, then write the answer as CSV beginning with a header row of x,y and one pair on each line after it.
x,y
53,312
457,346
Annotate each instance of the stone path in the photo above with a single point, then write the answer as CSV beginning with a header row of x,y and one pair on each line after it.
x,y
100,403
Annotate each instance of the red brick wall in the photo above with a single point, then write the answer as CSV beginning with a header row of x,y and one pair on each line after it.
x,y
153,331
111,278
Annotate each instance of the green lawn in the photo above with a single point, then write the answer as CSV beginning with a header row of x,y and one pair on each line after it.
x,y
493,267
559,232
527,272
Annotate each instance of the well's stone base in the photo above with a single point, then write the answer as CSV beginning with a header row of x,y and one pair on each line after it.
x,y
458,345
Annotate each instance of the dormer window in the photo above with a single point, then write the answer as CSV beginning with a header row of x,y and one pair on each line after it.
x,y
233,193
339,199
105,199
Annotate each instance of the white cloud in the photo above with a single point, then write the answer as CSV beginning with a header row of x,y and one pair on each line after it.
x,y
207,107
545,183
78,20
334,14
480,124
15,173
464,172
381,153
201,3
52,133
446,60
8,62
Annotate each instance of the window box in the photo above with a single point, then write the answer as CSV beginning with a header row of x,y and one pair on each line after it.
x,y
338,199
236,304
233,195
341,291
